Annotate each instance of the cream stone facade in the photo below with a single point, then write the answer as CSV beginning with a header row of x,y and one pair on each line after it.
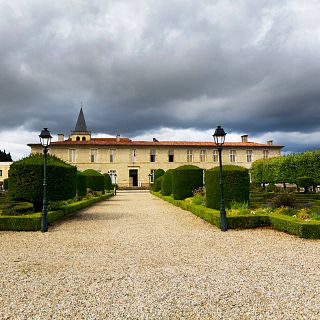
x,y
4,171
133,161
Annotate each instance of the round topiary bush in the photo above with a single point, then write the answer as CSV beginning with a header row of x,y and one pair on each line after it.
x,y
185,179
166,183
236,185
157,184
94,180
158,173
107,182
26,180
81,184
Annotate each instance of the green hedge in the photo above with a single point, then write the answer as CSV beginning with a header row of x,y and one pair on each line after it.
x,y
236,184
94,180
81,184
166,183
107,182
26,180
185,179
157,184
31,222
6,184
158,173
291,225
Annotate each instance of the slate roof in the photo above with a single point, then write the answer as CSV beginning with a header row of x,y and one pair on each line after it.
x,y
81,123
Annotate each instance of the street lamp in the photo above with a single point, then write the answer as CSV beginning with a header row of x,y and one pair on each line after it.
x,y
45,139
219,137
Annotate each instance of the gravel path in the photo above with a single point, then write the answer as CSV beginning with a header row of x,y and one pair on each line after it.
x,y
138,257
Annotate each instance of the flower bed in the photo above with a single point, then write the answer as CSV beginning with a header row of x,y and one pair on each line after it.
x,y
258,218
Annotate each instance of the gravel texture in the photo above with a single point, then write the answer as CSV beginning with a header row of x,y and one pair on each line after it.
x,y
138,257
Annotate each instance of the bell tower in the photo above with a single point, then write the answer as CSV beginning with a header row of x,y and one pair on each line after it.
x,y
80,132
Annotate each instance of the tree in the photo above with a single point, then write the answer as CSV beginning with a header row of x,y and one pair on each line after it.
x,y
5,157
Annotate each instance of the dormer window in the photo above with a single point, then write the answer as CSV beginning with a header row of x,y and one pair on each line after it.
x,y
78,138
83,138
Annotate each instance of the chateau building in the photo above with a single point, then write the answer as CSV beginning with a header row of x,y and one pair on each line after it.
x,y
131,162
4,170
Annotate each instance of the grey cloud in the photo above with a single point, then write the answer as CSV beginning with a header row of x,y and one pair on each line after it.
x,y
148,64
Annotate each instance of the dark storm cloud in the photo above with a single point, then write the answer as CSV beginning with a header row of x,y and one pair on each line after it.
x,y
251,66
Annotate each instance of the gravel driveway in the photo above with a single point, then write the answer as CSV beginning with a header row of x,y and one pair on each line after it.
x,y
137,257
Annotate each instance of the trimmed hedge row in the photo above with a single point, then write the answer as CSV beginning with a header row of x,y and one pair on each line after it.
x,y
31,222
81,184
302,229
157,184
185,179
236,185
94,180
166,183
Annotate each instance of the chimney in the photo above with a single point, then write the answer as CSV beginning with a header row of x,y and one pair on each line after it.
x,y
244,138
270,142
118,137
60,137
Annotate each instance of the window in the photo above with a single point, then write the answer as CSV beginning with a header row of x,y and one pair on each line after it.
x,y
152,171
94,154
203,155
112,155
232,155
249,155
189,155
215,156
171,155
152,155
78,138
0,173
83,138
113,176
133,155
265,154
72,155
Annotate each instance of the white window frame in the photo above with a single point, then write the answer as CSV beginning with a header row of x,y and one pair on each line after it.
x,y
112,176
153,153
233,155
171,153
93,155
133,155
203,155
112,155
249,156
189,155
215,156
152,171
265,154
72,155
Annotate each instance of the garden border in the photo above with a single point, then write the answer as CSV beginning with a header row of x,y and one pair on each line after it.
x,y
31,222
303,229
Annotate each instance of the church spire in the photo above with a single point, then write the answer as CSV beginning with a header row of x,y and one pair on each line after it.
x,y
81,123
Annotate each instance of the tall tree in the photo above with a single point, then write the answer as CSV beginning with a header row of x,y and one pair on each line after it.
x,y
4,157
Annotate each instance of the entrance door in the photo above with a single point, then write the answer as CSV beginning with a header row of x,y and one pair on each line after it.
x,y
133,177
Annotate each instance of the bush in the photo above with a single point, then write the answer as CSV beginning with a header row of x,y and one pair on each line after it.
x,y
166,183
157,184
236,186
81,184
158,173
6,184
107,182
185,179
283,200
305,182
26,180
271,187
94,180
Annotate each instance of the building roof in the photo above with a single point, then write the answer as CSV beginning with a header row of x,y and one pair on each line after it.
x,y
81,123
129,142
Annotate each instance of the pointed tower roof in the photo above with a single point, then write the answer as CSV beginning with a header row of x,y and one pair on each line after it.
x,y
81,123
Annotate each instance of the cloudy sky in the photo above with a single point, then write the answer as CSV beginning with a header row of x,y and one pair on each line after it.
x,y
165,69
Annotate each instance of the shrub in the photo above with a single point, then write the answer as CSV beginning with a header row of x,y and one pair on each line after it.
x,y
236,185
157,184
81,184
304,214
271,187
283,199
305,182
6,184
94,180
108,182
199,199
166,184
158,173
284,210
185,179
26,180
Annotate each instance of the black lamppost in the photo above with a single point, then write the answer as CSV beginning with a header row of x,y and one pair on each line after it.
x,y
45,139
219,137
